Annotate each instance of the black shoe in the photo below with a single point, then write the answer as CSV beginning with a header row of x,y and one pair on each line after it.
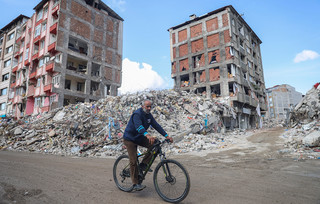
x,y
138,187
143,167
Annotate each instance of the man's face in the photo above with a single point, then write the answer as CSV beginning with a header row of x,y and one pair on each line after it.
x,y
147,107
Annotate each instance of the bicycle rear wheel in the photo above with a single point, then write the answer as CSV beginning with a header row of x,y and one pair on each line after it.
x,y
121,173
171,181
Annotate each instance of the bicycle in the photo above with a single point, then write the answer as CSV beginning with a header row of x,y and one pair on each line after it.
x,y
170,178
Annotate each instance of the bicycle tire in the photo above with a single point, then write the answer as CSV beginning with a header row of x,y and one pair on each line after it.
x,y
121,173
172,189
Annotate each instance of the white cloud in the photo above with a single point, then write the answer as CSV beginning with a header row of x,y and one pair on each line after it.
x,y
136,78
306,55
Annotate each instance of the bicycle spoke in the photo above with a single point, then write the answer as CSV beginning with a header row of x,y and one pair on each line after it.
x,y
121,174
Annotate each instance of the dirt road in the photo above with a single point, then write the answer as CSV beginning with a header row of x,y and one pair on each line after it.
x,y
250,171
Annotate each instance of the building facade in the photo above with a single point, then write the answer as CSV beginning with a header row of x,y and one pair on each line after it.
x,y
8,36
218,55
69,51
281,100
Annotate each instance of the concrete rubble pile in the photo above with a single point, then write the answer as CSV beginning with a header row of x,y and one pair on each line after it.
x,y
303,138
95,129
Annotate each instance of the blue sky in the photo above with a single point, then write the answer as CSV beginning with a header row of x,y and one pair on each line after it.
x,y
289,32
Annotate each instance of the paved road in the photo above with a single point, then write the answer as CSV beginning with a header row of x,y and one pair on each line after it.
x,y
252,172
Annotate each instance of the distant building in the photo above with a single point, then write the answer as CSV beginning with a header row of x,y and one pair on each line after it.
x,y
69,51
218,55
8,37
282,99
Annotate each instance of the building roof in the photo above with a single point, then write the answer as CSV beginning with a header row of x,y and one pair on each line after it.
x,y
13,22
215,12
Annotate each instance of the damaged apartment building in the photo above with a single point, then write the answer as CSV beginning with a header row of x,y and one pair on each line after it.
x,y
218,56
69,51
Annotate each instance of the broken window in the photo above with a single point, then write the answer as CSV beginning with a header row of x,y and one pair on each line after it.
x,y
80,86
213,59
202,91
198,61
214,74
242,58
231,70
94,90
241,43
5,77
77,45
95,70
233,89
231,51
107,90
215,91
245,75
67,84
185,81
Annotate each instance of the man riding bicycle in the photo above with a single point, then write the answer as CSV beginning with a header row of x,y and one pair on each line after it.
x,y
136,134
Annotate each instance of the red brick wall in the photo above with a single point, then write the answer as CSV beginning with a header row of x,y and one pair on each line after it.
x,y
98,21
80,28
108,73
225,20
118,74
60,38
213,40
109,40
184,63
97,52
182,35
203,76
215,52
226,36
109,56
62,19
197,45
118,61
63,4
212,24
80,11
228,55
174,68
174,52
214,74
98,36
110,25
183,50
202,61
173,38
196,30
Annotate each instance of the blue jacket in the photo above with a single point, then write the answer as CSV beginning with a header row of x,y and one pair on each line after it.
x,y
138,125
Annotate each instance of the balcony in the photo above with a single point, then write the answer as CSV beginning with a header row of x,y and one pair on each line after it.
x,y
35,56
47,87
45,109
12,85
15,69
52,47
53,28
30,91
55,11
17,99
32,75
17,54
49,67
26,63
36,40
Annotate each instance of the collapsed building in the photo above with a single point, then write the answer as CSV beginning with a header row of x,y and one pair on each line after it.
x,y
218,55
69,51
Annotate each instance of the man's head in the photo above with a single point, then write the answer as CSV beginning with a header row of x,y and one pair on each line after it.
x,y
146,106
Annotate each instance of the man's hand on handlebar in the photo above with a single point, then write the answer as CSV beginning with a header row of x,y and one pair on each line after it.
x,y
151,139
169,138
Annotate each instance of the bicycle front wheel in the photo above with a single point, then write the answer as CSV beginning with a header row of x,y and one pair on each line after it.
x,y
171,181
121,173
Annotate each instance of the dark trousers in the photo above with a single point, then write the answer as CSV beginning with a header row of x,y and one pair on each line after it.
x,y
132,152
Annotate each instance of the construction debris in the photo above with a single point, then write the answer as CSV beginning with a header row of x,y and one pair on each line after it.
x,y
95,129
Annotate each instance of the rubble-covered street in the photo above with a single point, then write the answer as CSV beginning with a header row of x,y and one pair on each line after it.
x,y
195,123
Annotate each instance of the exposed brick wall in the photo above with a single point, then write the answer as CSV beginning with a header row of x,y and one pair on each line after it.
x,y
202,61
109,56
173,38
227,37
228,55
97,52
60,38
109,40
213,40
63,4
183,50
62,20
108,73
174,67
216,53
196,30
98,36
203,76
225,20
118,60
110,25
214,74
118,74
98,21
80,28
182,35
184,64
197,45
174,52
80,11
212,24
